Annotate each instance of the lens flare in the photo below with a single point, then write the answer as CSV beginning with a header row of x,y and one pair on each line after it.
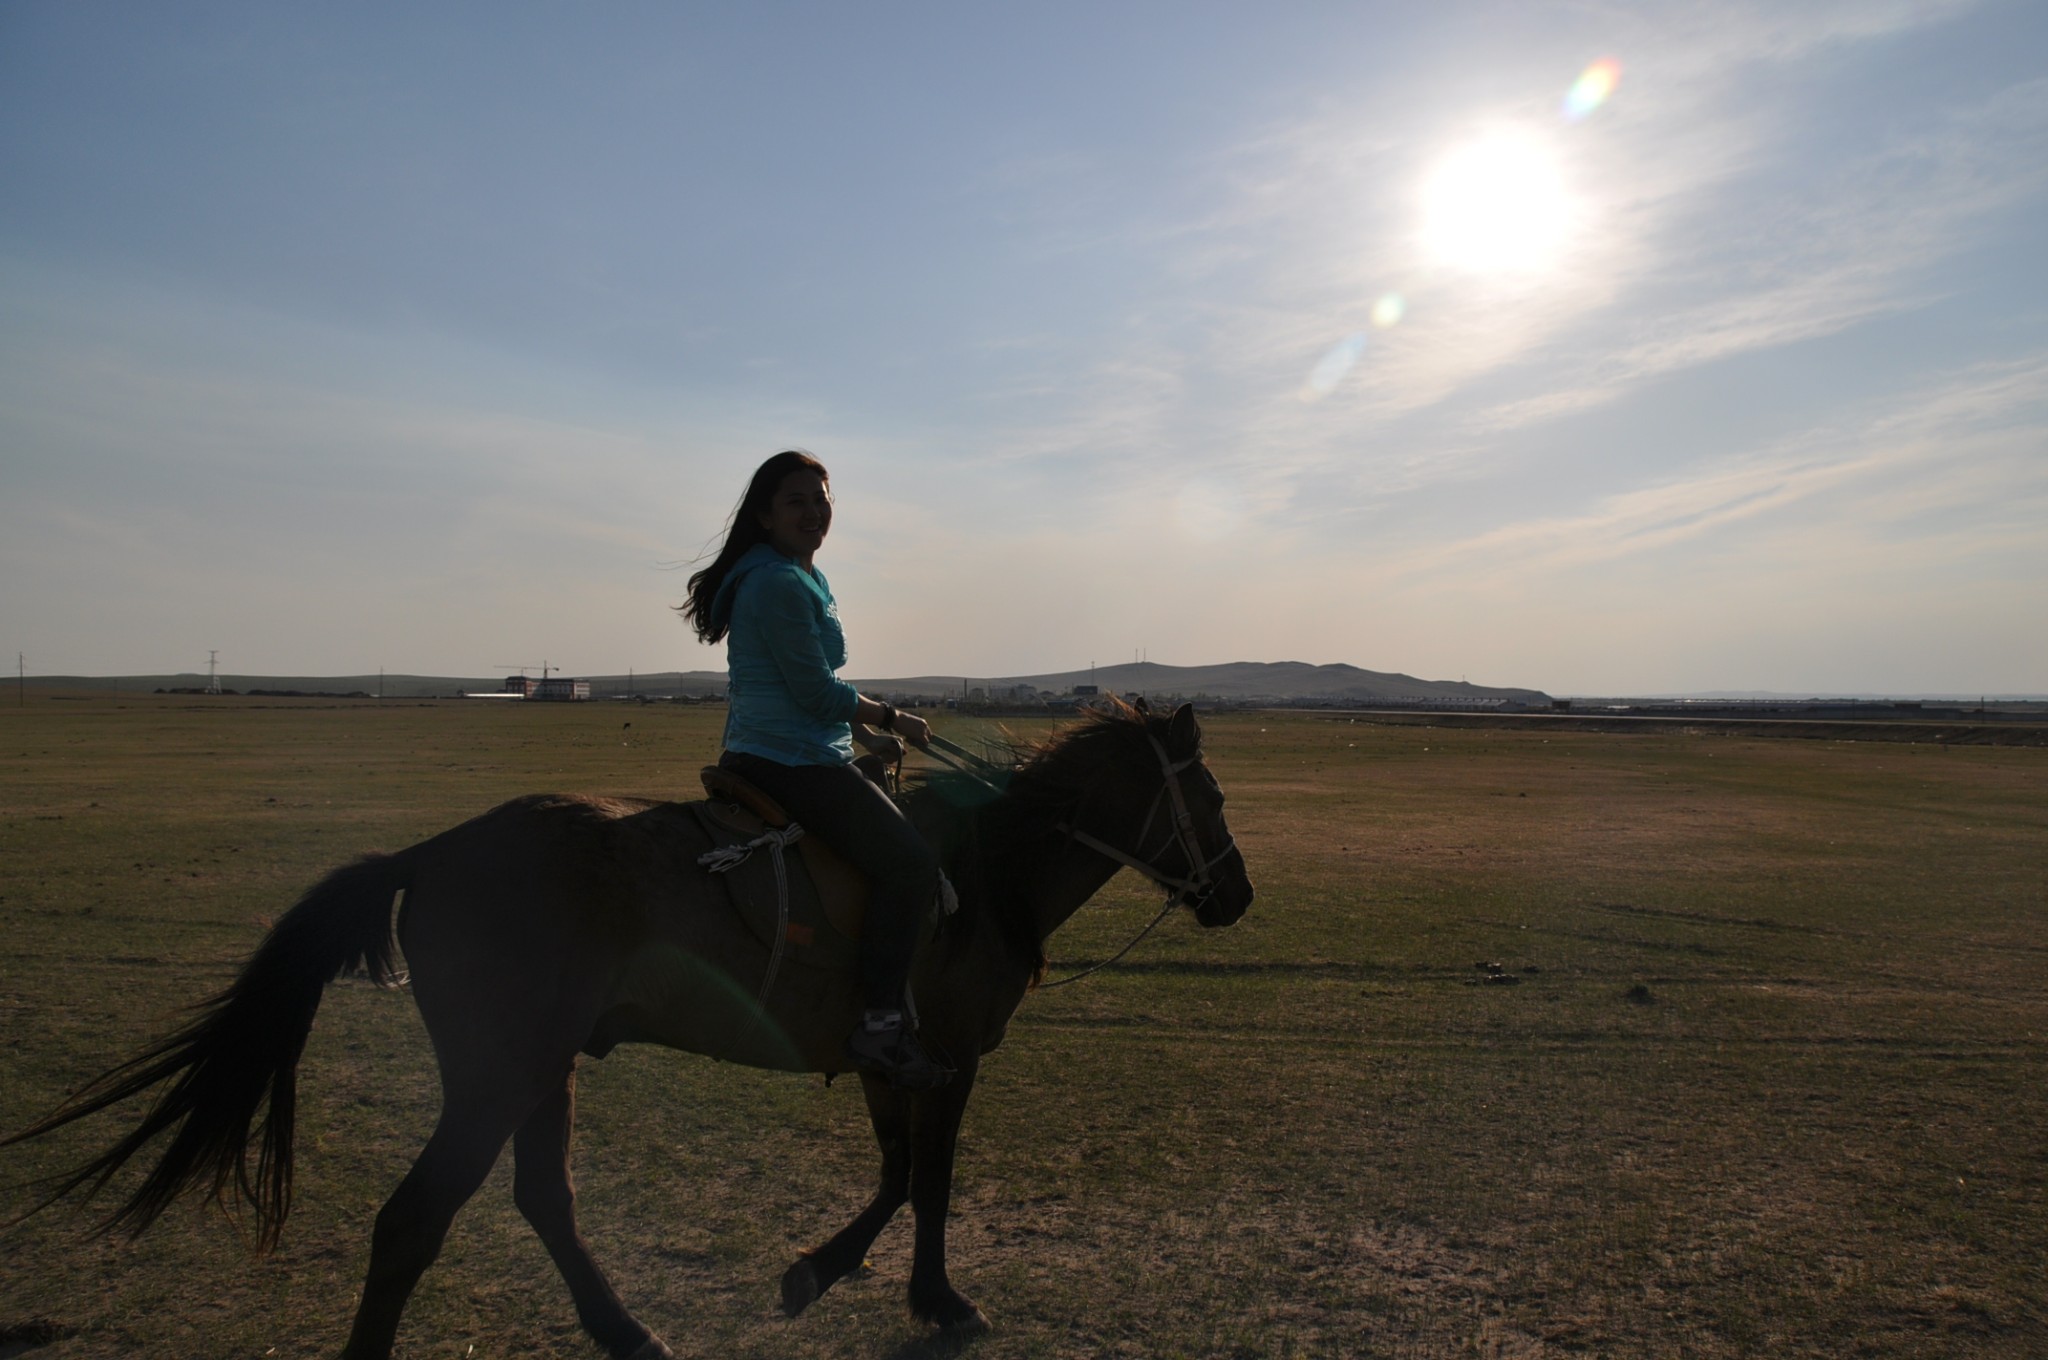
x,y
1592,87
1331,368
1388,311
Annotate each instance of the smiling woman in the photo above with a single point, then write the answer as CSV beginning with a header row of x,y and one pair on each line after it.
x,y
1497,205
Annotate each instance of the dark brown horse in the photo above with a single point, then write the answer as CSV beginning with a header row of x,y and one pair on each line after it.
x,y
557,925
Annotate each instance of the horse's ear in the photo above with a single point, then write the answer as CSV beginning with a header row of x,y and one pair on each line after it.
x,y
1183,733
1144,709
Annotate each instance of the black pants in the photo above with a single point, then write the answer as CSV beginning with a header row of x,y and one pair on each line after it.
x,y
837,804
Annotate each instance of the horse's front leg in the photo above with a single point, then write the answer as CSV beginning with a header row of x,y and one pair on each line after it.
x,y
934,1133
546,1193
818,1269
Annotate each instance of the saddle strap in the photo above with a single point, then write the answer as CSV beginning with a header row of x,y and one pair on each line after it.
x,y
729,857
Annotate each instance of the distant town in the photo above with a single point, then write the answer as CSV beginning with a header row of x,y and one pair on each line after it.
x,y
1285,684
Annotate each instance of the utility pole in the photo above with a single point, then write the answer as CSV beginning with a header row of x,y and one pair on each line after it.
x,y
20,680
212,677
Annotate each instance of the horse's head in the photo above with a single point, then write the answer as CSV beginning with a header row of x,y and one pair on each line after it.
x,y
1157,809
1217,885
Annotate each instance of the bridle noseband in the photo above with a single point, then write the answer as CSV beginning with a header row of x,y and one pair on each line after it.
x,y
1199,882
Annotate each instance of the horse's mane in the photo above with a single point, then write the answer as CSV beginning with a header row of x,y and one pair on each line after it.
x,y
994,845
1063,766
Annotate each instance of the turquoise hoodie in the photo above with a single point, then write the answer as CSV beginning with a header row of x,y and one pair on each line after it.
x,y
782,651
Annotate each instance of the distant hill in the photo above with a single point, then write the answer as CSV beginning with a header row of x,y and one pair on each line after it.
x,y
1236,682
1281,682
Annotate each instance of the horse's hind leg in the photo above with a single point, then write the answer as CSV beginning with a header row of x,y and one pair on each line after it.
x,y
819,1269
546,1194
414,1221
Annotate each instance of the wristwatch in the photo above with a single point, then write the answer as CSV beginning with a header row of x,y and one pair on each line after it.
x,y
888,717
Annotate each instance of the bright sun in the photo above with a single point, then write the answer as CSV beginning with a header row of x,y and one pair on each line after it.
x,y
1497,205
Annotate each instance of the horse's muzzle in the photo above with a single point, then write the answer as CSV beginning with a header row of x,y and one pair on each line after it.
x,y
1228,899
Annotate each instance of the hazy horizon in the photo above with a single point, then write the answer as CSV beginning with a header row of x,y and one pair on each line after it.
x,y
1109,672
1638,350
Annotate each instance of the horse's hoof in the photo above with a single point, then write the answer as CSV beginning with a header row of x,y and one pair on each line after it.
x,y
653,1348
800,1288
955,1317
974,1323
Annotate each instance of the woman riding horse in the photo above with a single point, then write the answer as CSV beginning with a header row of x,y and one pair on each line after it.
x,y
530,934
789,731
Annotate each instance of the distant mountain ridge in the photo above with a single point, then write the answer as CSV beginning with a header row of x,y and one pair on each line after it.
x,y
1234,682
1237,681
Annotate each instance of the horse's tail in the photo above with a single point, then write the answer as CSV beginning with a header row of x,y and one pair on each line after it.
x,y
241,1050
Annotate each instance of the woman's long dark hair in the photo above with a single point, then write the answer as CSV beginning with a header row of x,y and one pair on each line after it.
x,y
742,531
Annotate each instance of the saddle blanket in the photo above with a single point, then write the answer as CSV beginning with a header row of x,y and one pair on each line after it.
x,y
826,896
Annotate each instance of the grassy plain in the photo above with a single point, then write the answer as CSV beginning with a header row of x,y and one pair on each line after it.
x,y
1772,1081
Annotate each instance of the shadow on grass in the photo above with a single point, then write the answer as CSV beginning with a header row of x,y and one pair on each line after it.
x,y
22,1337
939,1346
1246,968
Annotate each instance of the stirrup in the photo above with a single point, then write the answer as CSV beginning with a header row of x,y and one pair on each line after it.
x,y
896,1054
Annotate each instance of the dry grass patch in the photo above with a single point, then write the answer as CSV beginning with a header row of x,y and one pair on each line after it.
x,y
1769,1078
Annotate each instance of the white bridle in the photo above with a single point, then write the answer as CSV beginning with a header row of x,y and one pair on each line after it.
x,y
1199,880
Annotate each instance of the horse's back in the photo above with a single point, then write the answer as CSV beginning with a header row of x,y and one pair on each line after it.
x,y
516,923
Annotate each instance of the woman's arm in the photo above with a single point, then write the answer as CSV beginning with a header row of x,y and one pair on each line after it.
x,y
780,609
893,720
887,745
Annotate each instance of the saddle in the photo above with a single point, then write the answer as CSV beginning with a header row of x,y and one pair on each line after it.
x,y
700,985
744,810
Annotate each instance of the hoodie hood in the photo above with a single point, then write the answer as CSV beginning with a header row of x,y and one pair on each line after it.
x,y
753,559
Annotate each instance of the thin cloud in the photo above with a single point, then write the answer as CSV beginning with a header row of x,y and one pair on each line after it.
x,y
1925,439
1678,200
1852,247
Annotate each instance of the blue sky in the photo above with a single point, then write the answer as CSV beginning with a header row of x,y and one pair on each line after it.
x,y
442,337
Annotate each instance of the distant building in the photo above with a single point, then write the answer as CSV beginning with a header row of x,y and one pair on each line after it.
x,y
520,685
559,689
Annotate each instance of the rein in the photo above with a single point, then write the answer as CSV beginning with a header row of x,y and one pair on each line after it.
x,y
1198,880
980,770
1164,912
